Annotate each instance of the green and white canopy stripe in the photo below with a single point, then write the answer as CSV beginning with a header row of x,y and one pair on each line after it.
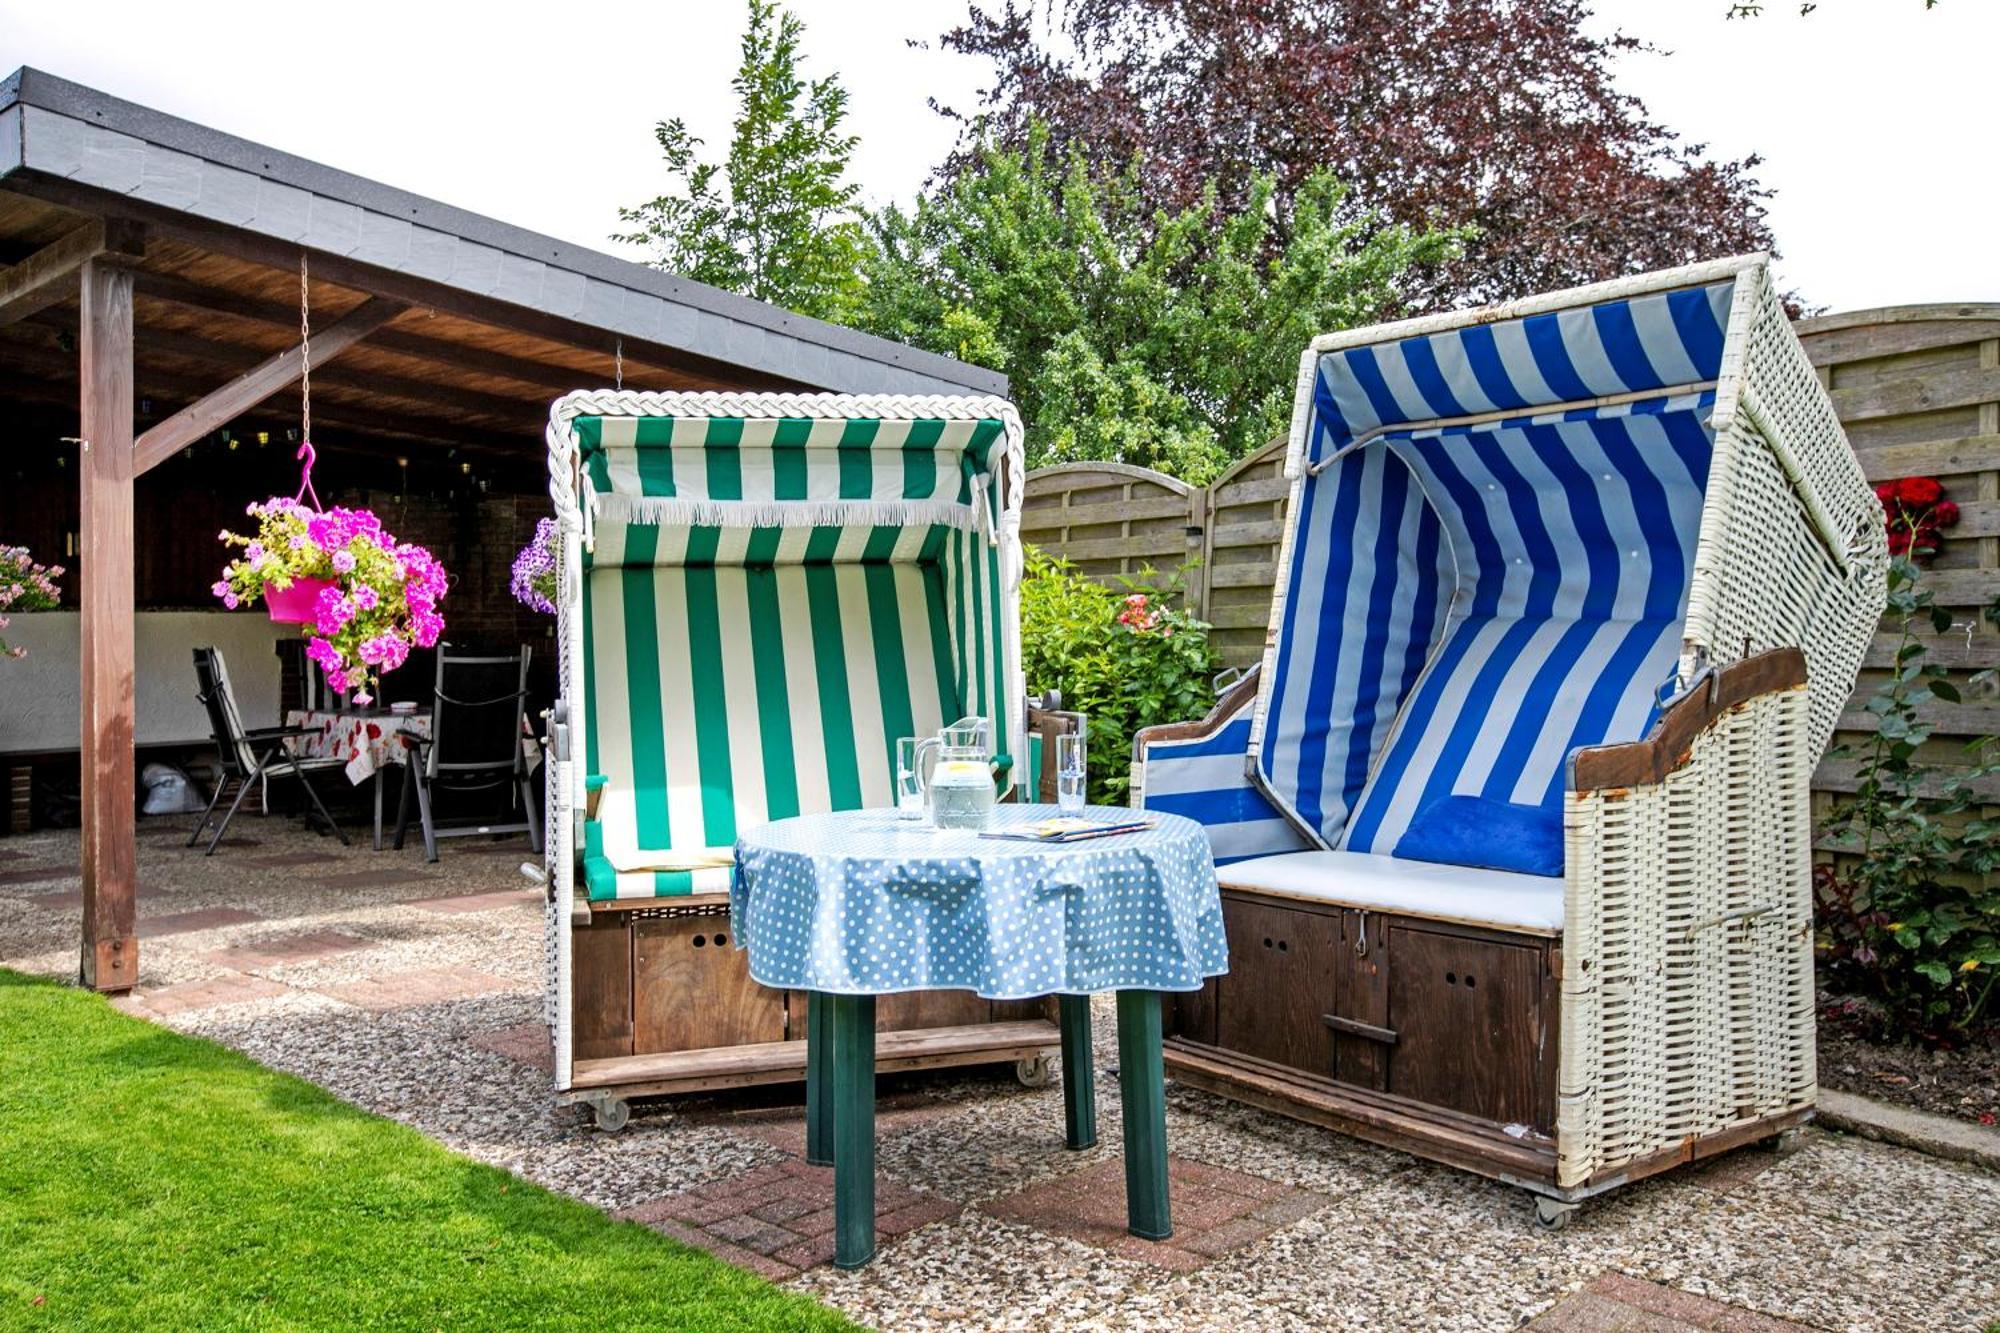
x,y
747,473
770,598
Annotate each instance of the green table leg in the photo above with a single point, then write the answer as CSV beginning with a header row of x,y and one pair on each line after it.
x,y
819,1101
851,1020
1079,1086
1142,1090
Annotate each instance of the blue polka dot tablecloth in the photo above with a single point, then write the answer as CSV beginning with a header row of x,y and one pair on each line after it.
x,y
864,903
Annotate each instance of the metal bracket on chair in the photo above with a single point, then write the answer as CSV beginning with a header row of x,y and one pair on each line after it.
x,y
1704,674
1741,914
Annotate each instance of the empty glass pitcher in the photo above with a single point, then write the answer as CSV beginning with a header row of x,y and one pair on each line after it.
x,y
958,788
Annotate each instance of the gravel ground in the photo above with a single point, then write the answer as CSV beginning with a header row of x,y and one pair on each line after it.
x,y
1844,1234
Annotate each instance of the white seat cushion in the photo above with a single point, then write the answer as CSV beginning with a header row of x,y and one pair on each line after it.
x,y
1464,894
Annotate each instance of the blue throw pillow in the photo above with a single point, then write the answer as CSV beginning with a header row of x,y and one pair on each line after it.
x,y
1495,835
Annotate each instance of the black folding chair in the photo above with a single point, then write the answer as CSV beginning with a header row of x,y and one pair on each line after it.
x,y
248,757
477,726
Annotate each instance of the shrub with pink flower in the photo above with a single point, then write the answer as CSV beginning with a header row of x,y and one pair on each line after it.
x,y
534,581
384,596
24,586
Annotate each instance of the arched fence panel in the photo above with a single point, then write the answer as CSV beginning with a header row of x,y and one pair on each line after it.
x,y
1111,518
1918,390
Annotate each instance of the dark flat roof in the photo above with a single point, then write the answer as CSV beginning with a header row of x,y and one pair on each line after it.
x,y
52,128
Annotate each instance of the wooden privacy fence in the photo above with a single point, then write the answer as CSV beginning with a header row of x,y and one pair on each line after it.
x,y
1918,388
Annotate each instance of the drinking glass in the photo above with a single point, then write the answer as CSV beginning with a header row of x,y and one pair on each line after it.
x,y
1070,773
909,780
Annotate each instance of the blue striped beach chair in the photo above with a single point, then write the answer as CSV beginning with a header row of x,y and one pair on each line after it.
x,y
1514,810
758,595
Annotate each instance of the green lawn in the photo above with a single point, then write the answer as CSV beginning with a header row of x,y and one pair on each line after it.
x,y
154,1181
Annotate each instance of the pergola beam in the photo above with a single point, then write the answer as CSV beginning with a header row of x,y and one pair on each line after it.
x,y
218,409
526,370
50,274
50,377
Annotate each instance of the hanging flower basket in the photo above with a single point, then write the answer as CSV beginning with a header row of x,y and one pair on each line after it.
x,y
365,598
298,604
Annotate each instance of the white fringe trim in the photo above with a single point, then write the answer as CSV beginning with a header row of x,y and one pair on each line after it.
x,y
682,511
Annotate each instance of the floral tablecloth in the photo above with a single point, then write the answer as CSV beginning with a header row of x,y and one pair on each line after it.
x,y
366,738
863,903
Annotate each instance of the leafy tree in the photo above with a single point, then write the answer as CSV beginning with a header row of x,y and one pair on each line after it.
x,y
1498,115
1168,340
778,221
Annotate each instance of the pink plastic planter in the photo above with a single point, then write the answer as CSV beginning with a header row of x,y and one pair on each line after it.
x,y
294,605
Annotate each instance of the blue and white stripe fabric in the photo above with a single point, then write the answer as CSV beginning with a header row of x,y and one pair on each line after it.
x,y
1662,341
1575,544
1467,604
1207,779
1370,558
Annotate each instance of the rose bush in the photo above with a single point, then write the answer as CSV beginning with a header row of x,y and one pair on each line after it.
x,y
384,598
1126,657
1916,512
1909,922
24,586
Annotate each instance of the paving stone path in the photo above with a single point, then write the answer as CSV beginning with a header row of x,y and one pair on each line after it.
x,y
415,991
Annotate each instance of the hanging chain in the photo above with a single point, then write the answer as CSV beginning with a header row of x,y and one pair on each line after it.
x,y
305,356
618,365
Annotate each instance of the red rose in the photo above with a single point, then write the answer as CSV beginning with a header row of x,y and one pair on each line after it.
x,y
1919,490
1945,515
1899,542
1885,491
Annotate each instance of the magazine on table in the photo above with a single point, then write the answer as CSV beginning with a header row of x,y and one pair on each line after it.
x,y
1069,828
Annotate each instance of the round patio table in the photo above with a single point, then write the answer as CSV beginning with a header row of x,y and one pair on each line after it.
x,y
858,904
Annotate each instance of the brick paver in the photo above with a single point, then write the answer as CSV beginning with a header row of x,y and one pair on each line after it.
x,y
781,1215
1216,1211
36,874
403,990
279,860
1616,1303
274,950
527,1043
479,902
372,879
232,988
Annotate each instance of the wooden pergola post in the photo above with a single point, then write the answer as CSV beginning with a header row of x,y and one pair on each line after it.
x,y
110,852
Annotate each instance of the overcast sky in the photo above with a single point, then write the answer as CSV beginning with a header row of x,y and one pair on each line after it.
x,y
1874,116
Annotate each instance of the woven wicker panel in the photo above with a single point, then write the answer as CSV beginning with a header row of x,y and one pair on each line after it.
x,y
1768,572
1687,945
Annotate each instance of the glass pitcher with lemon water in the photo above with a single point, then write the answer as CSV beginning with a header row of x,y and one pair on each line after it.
x,y
958,788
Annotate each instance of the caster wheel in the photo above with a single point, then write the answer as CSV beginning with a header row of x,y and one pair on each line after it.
x,y
1787,1142
1552,1214
1035,1072
611,1113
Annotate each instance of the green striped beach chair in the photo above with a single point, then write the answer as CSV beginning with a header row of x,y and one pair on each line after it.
x,y
758,594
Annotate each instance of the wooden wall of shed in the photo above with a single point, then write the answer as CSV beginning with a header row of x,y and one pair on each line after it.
x,y
1918,388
